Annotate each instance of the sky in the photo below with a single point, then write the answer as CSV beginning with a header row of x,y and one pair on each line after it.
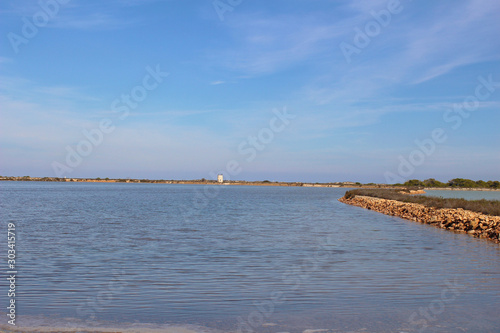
x,y
282,90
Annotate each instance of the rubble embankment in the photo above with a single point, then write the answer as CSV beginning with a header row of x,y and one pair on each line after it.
x,y
459,220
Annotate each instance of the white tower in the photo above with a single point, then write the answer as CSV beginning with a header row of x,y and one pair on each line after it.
x,y
220,178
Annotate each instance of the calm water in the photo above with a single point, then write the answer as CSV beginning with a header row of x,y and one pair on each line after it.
x,y
219,258
469,195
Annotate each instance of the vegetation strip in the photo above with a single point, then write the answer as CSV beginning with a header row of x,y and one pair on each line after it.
x,y
448,214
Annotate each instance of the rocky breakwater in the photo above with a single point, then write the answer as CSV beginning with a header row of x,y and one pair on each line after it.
x,y
458,220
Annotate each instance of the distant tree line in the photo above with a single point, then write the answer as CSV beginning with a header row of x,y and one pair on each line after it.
x,y
457,183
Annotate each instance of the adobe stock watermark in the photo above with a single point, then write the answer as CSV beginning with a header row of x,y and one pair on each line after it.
x,y
248,149
265,136
294,278
454,116
104,297
31,25
223,6
422,318
363,37
121,106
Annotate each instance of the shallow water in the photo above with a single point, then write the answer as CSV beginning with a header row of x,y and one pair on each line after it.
x,y
469,195
223,258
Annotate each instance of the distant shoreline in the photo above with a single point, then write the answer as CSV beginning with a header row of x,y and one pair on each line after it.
x,y
232,182
185,182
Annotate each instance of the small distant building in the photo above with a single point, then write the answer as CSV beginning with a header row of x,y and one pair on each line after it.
x,y
220,178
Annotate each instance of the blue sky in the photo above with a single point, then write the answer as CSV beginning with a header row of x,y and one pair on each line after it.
x,y
361,81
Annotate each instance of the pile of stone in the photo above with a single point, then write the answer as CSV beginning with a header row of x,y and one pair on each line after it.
x,y
459,220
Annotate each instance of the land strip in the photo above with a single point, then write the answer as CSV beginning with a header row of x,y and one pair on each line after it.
x,y
460,220
189,182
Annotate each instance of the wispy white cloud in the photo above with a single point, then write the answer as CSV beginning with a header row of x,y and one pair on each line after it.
x,y
410,51
26,89
267,44
442,69
82,15
168,114
456,37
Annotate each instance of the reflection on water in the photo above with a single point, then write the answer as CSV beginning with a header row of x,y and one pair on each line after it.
x,y
264,259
